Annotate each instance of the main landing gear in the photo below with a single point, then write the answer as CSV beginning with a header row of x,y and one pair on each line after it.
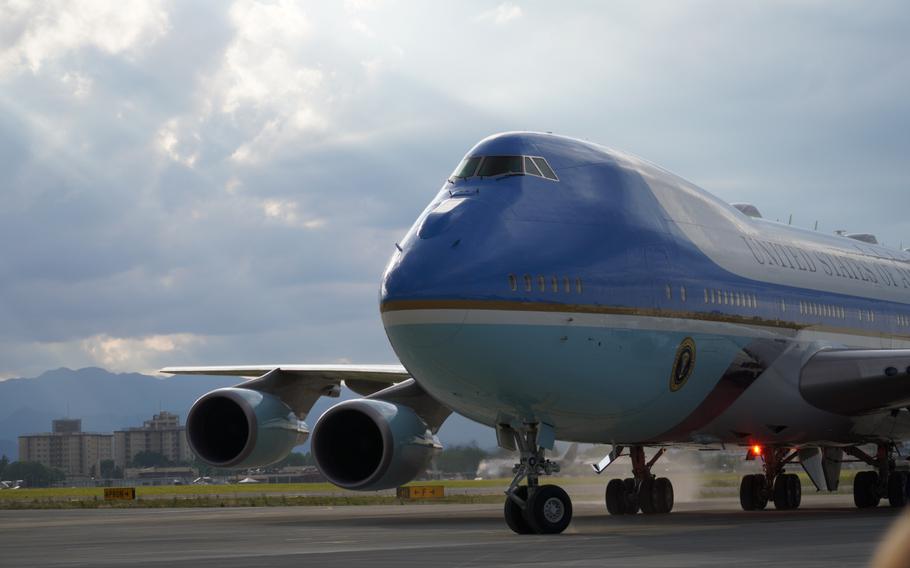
x,y
535,508
869,487
644,491
783,488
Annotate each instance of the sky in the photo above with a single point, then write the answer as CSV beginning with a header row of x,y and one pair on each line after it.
x,y
223,182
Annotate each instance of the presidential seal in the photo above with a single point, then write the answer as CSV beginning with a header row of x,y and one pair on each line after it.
x,y
683,364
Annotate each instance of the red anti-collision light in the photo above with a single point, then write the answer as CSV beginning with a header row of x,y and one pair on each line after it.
x,y
756,450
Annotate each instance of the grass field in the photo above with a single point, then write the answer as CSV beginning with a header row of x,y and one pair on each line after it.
x,y
316,494
323,494
257,489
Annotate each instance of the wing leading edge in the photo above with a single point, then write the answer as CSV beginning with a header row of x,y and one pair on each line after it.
x,y
300,386
386,374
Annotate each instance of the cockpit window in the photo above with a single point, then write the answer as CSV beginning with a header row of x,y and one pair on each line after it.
x,y
498,165
467,167
546,169
492,166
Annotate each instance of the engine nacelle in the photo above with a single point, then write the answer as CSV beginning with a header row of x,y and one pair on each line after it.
x,y
237,427
368,444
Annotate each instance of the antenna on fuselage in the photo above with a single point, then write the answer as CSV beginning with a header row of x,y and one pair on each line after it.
x,y
816,226
790,221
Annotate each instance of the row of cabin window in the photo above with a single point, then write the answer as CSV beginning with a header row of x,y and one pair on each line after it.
x,y
730,298
544,284
669,292
824,310
712,296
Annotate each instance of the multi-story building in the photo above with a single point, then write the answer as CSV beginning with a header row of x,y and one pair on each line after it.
x,y
163,435
68,448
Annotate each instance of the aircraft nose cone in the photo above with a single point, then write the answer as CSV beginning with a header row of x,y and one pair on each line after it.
x,y
449,214
439,260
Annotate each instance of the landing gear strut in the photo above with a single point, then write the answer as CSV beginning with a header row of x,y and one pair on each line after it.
x,y
535,508
643,491
869,487
783,488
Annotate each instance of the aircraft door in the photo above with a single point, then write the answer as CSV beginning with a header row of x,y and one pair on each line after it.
x,y
660,275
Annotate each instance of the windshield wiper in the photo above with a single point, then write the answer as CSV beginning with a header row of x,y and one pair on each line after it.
x,y
508,174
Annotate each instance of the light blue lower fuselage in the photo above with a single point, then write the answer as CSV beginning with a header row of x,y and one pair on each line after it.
x,y
521,299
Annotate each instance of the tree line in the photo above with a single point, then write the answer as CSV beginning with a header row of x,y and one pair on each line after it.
x,y
456,459
31,474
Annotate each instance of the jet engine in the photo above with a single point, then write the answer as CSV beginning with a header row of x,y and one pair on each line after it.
x,y
238,427
369,444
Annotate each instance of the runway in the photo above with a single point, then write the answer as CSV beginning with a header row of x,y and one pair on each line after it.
x,y
826,532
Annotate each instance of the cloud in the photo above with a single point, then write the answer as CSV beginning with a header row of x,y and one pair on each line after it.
x,y
259,68
246,185
502,14
136,353
44,31
287,212
173,147
80,84
360,6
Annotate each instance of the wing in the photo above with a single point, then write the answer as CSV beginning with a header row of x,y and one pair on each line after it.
x,y
857,381
300,386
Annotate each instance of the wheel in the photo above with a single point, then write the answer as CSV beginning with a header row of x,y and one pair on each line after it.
x,y
632,501
549,510
865,489
662,495
787,492
780,493
616,497
794,490
897,488
514,515
752,492
646,496
745,493
760,494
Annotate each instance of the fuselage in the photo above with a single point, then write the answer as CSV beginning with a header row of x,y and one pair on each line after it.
x,y
619,303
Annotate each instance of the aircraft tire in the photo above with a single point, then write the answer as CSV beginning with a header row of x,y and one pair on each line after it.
x,y
745,493
780,494
549,510
752,492
898,488
787,492
662,494
795,491
616,497
646,496
632,500
514,515
865,489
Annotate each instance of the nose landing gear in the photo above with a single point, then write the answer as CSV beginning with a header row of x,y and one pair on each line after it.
x,y
535,508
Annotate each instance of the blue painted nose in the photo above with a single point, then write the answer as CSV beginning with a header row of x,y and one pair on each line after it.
x,y
440,258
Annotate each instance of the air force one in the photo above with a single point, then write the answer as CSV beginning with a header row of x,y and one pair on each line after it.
x,y
555,289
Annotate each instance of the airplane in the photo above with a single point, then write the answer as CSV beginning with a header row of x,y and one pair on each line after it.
x,y
557,289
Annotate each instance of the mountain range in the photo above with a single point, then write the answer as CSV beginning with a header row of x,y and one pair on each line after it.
x,y
108,401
